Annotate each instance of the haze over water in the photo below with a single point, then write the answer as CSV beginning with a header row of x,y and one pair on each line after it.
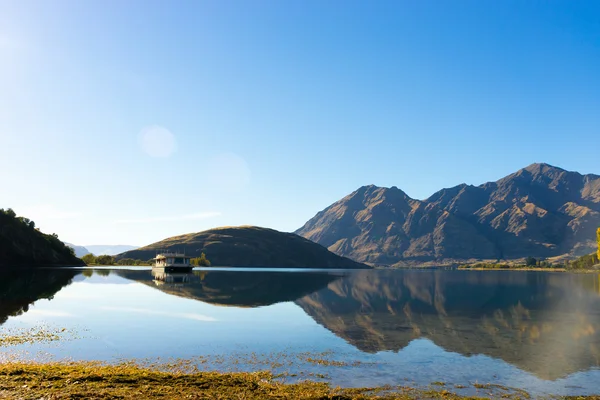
x,y
537,331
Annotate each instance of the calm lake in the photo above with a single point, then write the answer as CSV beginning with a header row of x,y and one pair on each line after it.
x,y
536,331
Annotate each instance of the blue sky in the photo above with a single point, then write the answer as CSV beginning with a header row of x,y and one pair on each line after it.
x,y
128,122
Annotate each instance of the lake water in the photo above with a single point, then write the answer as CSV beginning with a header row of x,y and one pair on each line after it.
x,y
536,331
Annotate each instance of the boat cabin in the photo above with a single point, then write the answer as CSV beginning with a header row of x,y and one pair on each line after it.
x,y
173,261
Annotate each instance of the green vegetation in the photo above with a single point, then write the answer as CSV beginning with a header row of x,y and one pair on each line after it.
x,y
598,239
91,259
530,263
129,381
583,262
201,261
22,244
131,261
31,335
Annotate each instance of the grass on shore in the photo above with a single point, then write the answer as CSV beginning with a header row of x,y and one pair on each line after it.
x,y
129,381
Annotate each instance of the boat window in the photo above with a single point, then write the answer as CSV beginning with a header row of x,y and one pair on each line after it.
x,y
179,261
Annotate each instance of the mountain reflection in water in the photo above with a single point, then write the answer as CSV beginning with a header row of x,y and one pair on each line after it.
x,y
235,288
19,289
545,323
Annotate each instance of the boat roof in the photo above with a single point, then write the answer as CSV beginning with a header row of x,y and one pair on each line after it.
x,y
169,254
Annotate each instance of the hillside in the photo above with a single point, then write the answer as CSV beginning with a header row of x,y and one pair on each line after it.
x,y
23,245
248,246
539,211
80,251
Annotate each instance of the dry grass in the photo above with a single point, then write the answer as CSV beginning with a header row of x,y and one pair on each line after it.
x,y
129,381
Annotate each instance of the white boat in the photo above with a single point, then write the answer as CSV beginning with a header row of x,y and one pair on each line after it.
x,y
171,262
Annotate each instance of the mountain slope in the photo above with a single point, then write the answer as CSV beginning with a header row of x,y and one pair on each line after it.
x,y
248,246
80,251
538,211
22,245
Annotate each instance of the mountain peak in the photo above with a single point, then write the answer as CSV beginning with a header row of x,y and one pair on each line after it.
x,y
527,213
542,167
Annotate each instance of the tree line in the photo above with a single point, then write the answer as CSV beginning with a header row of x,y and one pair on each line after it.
x,y
201,261
91,259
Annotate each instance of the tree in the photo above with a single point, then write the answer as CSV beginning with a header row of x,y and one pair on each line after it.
x,y
530,262
88,273
89,259
598,238
102,272
201,261
105,260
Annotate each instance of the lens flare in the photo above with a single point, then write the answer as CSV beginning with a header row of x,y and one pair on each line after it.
x,y
157,141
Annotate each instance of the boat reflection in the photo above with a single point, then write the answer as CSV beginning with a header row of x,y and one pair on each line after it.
x,y
162,276
235,288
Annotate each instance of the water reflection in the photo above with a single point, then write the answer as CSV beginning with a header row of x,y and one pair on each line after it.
x,y
234,288
162,276
19,289
547,324
544,323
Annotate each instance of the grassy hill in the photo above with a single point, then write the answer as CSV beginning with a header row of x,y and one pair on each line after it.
x,y
21,244
248,246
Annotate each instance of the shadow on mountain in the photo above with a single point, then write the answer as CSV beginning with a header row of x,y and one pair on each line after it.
x,y
21,288
234,288
547,324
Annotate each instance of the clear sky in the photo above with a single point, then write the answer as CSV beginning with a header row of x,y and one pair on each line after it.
x,y
131,121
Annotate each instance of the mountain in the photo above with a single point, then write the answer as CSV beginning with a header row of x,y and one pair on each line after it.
x,y
109,250
248,246
22,245
546,324
80,251
539,211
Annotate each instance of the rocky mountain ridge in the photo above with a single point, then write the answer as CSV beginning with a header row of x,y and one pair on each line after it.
x,y
540,211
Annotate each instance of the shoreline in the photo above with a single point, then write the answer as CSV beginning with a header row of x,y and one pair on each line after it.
x,y
30,380
572,271
520,269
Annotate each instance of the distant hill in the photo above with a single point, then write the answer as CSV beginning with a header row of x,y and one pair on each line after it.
x,y
539,211
109,250
80,251
22,245
248,246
